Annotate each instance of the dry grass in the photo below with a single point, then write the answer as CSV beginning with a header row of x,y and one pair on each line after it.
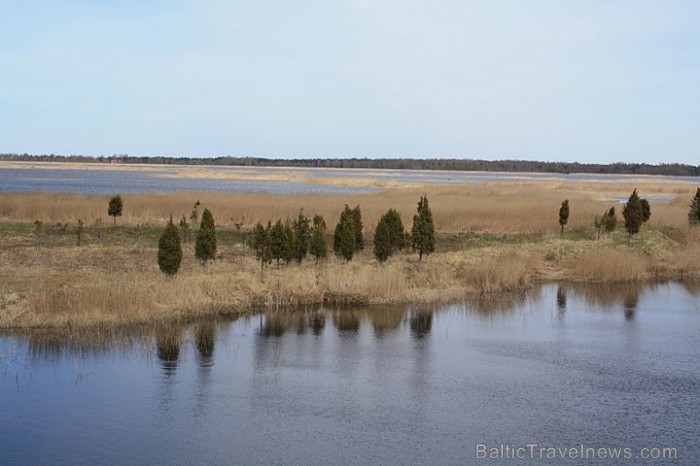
x,y
498,271
528,208
58,286
609,264
494,237
63,285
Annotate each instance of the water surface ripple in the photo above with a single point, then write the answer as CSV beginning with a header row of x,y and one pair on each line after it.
x,y
560,366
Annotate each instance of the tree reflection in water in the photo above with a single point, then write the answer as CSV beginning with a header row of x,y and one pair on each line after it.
x,y
346,321
168,347
608,295
300,323
630,302
497,304
386,319
561,298
317,322
205,336
561,302
421,323
274,324
611,296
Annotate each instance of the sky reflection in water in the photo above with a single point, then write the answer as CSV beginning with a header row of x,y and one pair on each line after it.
x,y
562,365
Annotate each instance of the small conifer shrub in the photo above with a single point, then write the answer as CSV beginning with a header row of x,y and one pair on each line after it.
x,y
169,250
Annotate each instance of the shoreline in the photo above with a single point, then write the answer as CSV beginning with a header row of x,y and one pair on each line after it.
x,y
289,304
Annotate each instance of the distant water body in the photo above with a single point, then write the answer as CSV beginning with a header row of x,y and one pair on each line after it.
x,y
101,181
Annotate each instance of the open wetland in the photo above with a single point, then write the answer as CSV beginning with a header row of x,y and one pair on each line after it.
x,y
515,336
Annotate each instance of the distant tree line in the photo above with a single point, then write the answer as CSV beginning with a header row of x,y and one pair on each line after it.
x,y
670,169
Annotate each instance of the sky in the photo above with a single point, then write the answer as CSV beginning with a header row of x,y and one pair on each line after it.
x,y
594,81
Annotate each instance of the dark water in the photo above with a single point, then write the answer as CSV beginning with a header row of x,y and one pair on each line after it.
x,y
560,366
165,179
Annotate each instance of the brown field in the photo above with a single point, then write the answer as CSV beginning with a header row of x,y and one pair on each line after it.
x,y
491,238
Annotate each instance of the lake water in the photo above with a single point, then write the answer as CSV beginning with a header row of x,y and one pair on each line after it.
x,y
169,178
106,182
559,366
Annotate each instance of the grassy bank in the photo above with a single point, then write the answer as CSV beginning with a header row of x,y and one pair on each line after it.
x,y
490,237
112,278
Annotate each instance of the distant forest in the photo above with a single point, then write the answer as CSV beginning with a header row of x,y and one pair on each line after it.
x,y
672,169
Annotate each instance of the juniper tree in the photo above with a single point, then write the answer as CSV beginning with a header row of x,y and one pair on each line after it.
x,y
354,217
205,243
347,240
169,250
382,241
607,222
646,210
114,209
397,233
290,243
278,241
423,231
633,214
319,221
261,244
337,233
610,220
302,235
563,215
389,236
317,243
694,214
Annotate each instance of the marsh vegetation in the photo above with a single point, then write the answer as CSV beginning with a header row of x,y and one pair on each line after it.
x,y
64,264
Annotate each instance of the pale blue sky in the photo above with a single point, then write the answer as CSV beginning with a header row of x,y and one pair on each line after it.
x,y
583,80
